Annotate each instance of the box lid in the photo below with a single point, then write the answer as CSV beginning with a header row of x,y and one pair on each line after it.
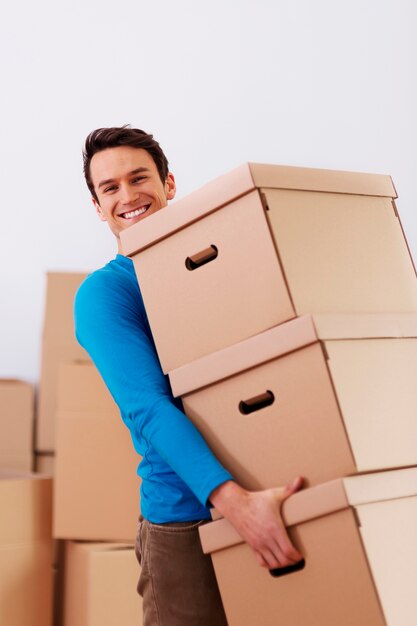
x,y
321,500
241,356
285,338
241,181
379,486
315,179
365,326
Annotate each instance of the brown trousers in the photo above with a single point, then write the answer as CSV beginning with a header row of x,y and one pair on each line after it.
x,y
177,581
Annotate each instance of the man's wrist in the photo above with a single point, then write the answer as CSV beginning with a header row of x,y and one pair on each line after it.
x,y
227,496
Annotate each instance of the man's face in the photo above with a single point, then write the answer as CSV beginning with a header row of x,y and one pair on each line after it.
x,y
128,187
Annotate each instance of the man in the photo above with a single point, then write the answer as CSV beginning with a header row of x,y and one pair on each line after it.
x,y
127,174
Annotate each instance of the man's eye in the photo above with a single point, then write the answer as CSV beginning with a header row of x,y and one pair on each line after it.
x,y
110,188
137,179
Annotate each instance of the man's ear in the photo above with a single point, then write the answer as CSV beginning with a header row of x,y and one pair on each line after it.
x,y
170,187
99,210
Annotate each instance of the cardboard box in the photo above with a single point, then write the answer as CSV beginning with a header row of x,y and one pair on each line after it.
x,y
96,488
25,549
321,397
100,585
58,345
358,539
16,424
264,244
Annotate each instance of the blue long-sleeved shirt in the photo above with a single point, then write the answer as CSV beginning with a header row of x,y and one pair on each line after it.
x,y
178,470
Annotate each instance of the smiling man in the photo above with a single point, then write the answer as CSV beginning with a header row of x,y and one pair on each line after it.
x,y
129,186
127,174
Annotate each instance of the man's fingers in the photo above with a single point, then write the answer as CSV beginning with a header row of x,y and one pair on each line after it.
x,y
289,551
260,559
292,487
270,559
279,551
285,546
276,558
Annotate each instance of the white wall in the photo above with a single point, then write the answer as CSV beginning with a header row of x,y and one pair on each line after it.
x,y
323,84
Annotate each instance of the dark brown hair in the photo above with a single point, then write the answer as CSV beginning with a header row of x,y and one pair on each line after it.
x,y
104,138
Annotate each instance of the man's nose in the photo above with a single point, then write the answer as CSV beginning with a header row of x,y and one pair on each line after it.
x,y
127,194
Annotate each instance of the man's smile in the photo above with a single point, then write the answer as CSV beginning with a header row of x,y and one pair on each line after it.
x,y
135,212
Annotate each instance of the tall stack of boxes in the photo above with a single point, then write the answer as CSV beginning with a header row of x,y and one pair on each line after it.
x,y
67,532
27,564
58,345
82,442
286,317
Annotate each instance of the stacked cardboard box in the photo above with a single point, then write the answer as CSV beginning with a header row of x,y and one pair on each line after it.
x,y
82,442
358,538
96,488
265,244
323,396
100,585
295,400
16,424
26,549
58,345
96,498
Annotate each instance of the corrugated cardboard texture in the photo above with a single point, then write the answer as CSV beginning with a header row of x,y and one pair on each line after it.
x,y
100,585
16,424
58,345
25,550
96,489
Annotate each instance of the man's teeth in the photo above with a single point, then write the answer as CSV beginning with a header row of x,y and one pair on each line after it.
x,y
136,212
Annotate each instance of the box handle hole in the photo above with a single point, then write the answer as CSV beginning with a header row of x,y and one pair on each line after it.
x,y
201,258
290,569
256,403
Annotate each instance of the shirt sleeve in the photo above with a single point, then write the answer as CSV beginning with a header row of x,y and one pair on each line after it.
x,y
112,328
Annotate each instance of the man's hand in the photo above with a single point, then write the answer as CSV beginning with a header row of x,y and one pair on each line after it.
x,y
256,515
